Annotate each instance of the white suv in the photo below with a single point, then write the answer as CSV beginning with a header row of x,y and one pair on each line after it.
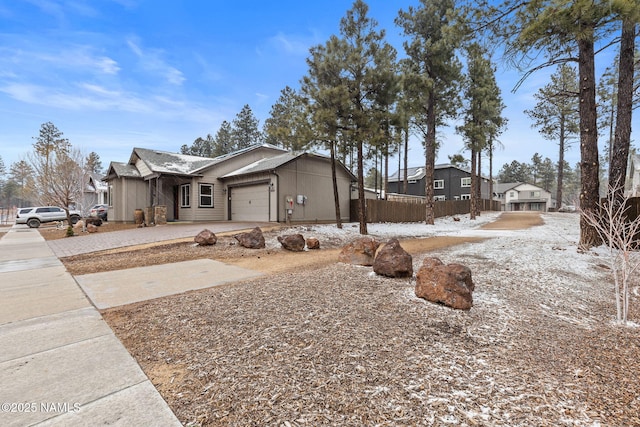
x,y
34,216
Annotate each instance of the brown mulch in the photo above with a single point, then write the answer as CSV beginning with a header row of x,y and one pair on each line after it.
x,y
319,343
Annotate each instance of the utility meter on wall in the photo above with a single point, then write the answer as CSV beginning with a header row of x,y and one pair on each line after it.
x,y
289,204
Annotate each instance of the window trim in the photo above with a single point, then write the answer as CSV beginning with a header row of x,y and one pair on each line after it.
x,y
201,185
185,196
435,184
465,197
465,182
439,198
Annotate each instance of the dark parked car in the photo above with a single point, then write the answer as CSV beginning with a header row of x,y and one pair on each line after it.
x,y
99,211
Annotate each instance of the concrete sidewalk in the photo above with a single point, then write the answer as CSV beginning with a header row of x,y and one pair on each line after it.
x,y
60,363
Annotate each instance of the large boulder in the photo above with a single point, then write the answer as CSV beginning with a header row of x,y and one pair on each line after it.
x,y
92,228
252,239
361,251
206,238
313,243
450,284
393,261
292,242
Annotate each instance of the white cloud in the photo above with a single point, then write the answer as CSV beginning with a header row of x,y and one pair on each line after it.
x,y
151,61
290,44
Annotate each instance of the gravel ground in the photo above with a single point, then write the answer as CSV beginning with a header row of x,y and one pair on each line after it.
x,y
324,343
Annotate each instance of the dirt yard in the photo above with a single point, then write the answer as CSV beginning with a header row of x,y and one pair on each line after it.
x,y
316,342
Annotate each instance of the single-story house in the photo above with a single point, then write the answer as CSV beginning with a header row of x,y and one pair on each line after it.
x,y
95,192
449,182
259,183
519,196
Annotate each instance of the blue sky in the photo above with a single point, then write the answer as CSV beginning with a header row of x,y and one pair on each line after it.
x,y
118,74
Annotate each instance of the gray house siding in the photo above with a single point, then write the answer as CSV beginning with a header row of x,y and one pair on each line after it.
x,y
211,175
126,194
154,178
311,178
450,176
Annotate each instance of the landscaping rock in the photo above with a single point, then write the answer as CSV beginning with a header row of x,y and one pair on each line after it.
x,y
205,238
292,242
252,239
450,284
92,228
92,220
361,251
313,243
393,261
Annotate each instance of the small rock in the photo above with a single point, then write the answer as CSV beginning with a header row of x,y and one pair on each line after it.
x,y
253,239
292,242
313,243
92,228
205,238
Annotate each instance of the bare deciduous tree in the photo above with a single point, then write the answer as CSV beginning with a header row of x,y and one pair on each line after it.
x,y
620,233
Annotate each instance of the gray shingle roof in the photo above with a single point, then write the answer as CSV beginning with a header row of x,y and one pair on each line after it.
x,y
271,163
124,170
419,172
170,163
504,187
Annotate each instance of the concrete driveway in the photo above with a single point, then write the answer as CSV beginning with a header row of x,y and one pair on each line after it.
x,y
137,236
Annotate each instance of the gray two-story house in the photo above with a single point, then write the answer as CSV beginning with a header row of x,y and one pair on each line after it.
x,y
450,183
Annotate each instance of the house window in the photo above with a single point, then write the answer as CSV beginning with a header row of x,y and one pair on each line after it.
x,y
536,206
465,182
411,181
439,198
438,184
456,197
512,194
110,195
185,196
206,195
535,194
465,196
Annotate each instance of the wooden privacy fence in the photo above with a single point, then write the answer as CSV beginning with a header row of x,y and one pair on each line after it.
x,y
389,211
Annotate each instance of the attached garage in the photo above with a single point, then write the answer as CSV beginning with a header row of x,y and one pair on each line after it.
x,y
290,187
249,202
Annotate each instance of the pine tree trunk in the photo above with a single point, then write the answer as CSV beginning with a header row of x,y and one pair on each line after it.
x,y
478,185
336,198
622,139
473,201
560,163
405,180
362,207
491,175
385,182
589,163
430,157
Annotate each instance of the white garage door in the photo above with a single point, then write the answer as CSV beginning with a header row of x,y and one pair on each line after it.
x,y
250,203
